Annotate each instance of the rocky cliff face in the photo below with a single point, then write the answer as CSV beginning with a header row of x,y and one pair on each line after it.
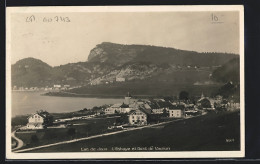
x,y
115,54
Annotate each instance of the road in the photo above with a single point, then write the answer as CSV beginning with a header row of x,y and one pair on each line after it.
x,y
19,142
95,136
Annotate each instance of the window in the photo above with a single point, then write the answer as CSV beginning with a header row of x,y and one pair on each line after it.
x,y
142,117
133,117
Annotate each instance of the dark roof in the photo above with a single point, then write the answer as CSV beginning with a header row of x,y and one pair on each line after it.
x,y
146,111
124,105
132,111
177,107
40,114
154,105
164,104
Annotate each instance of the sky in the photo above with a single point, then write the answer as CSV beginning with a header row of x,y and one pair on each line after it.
x,y
58,43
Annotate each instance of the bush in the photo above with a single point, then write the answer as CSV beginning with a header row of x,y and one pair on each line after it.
x,y
184,95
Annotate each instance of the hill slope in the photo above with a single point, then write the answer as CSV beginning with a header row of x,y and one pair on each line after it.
x,y
228,72
30,72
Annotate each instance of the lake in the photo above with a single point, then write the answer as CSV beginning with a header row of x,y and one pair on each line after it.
x,y
29,102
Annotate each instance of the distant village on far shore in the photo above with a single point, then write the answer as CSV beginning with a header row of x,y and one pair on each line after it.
x,y
60,87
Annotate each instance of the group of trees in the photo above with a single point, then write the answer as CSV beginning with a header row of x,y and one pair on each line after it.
x,y
123,119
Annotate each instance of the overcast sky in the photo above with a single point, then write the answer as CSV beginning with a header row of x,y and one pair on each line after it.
x,y
62,43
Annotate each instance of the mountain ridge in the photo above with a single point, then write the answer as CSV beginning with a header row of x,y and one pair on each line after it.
x,y
108,61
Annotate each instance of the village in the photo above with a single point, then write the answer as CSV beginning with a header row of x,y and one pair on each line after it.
x,y
129,114
63,87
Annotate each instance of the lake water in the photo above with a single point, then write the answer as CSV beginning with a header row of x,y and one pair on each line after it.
x,y
29,102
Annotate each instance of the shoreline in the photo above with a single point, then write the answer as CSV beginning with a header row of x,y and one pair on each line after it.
x,y
69,94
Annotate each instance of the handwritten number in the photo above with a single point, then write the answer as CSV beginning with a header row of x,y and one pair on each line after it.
x,y
214,17
67,19
56,18
30,18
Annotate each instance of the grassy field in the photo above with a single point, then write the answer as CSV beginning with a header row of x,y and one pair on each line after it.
x,y
212,132
82,128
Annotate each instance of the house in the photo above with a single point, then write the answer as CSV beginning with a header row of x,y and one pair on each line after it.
x,y
56,86
113,109
164,105
120,79
124,108
176,112
137,117
158,107
155,108
66,86
39,120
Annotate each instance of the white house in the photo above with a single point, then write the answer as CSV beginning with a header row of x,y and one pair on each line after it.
x,y
137,117
57,86
39,120
176,113
35,121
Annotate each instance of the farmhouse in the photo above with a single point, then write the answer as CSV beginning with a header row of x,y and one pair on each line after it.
x,y
39,120
137,117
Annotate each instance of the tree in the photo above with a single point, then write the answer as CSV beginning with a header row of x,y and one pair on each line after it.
x,y
165,114
205,103
184,95
123,119
48,119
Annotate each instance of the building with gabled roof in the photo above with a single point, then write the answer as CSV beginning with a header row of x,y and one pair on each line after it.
x,y
39,120
137,117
